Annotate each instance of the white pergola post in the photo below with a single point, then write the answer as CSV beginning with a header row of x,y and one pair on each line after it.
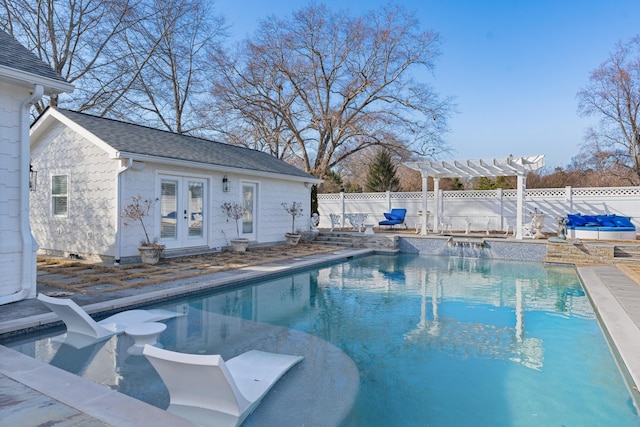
x,y
425,217
520,206
436,213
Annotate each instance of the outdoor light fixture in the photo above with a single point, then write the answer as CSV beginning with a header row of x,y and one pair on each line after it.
x,y
33,176
225,184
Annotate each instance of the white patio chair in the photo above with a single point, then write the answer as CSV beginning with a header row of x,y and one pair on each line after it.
x,y
83,330
211,392
529,230
445,224
335,220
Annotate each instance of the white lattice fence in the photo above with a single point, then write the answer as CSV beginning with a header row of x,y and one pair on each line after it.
x,y
497,207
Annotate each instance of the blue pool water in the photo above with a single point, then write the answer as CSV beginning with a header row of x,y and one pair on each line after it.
x,y
436,341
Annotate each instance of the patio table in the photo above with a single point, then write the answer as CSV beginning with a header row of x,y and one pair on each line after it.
x,y
357,220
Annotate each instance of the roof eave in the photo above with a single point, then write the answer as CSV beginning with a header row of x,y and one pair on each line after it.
x,y
24,78
219,168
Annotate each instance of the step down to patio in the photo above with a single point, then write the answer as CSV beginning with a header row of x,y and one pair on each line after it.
x,y
377,241
334,239
627,251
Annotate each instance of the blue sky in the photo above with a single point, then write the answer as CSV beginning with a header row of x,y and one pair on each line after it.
x,y
514,67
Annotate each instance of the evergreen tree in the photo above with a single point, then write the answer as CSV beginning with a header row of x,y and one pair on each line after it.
x,y
484,183
506,182
382,174
332,183
452,184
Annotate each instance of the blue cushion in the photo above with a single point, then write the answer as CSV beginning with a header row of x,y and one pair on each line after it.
x,y
576,220
390,217
590,218
622,221
399,213
606,221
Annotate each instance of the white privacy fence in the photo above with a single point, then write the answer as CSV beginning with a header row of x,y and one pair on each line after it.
x,y
485,209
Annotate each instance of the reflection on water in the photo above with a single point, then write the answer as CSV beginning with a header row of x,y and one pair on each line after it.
x,y
513,343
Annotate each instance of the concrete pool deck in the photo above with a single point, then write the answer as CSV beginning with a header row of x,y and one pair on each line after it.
x,y
34,393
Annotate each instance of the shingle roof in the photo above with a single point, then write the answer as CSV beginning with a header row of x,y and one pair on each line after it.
x,y
136,139
14,55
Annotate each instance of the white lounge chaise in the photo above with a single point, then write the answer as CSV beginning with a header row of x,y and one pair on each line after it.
x,y
211,392
83,330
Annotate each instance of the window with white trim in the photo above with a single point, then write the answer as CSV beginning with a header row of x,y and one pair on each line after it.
x,y
60,195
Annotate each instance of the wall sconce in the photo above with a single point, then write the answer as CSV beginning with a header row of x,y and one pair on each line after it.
x,y
33,178
225,184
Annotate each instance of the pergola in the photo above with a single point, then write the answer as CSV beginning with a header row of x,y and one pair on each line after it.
x,y
510,166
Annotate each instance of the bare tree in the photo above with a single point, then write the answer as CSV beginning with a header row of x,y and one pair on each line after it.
x,y
78,39
141,60
322,86
613,95
172,82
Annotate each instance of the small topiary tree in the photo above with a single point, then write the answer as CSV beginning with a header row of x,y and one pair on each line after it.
x,y
295,210
234,211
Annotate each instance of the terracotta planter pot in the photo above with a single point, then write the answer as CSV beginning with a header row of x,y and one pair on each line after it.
x,y
239,245
150,254
292,238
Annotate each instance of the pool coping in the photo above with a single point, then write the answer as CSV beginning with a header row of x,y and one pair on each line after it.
x,y
613,295
616,302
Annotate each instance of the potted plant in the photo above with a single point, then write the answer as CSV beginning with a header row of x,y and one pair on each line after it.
x,y
150,251
295,210
235,211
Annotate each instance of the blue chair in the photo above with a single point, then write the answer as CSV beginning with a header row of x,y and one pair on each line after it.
x,y
395,217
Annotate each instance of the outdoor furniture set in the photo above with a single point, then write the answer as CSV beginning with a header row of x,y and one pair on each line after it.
x,y
202,388
600,227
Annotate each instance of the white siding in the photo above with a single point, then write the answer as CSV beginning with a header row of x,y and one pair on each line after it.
x,y
89,229
143,183
274,220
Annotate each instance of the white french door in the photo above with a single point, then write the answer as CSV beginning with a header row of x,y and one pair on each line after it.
x,y
183,205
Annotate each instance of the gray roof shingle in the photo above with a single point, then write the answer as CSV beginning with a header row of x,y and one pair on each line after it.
x,y
16,56
136,139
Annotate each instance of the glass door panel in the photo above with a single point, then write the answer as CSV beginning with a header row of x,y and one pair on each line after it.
x,y
168,209
249,216
195,213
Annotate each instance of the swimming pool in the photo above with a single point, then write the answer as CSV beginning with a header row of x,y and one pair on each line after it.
x,y
434,341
